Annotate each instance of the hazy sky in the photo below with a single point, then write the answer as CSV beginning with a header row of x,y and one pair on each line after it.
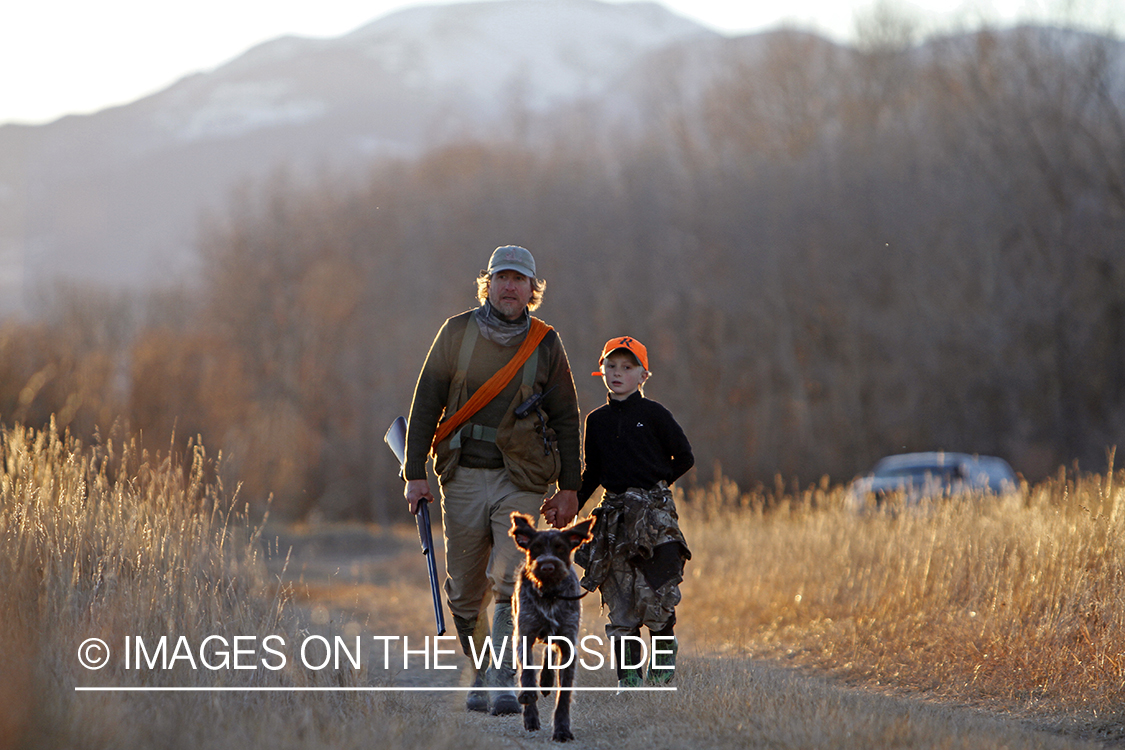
x,y
71,56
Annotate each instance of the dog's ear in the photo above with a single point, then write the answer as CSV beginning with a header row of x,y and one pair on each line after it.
x,y
580,532
523,529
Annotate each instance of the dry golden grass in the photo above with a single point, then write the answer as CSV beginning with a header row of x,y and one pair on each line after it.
x,y
109,542
1013,604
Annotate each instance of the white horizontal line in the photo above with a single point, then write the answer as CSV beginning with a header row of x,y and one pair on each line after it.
x,y
112,689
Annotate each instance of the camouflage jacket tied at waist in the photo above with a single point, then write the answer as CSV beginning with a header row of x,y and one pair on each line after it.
x,y
629,526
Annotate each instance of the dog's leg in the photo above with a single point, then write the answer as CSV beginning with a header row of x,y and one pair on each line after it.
x,y
528,695
562,702
547,679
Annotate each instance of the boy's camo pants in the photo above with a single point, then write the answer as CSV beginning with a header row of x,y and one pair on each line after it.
x,y
632,602
636,559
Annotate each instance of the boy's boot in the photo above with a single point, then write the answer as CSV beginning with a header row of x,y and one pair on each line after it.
x,y
664,652
504,701
473,631
629,653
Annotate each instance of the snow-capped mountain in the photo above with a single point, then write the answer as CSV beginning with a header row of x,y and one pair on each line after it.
x,y
473,56
115,197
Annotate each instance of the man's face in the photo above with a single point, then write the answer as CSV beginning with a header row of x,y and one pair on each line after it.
x,y
509,292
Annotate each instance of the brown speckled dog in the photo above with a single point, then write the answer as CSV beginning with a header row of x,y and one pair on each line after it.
x,y
546,603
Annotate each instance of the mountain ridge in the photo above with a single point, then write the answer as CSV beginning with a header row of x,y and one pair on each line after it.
x,y
115,197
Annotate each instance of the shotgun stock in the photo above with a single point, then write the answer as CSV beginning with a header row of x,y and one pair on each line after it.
x,y
396,439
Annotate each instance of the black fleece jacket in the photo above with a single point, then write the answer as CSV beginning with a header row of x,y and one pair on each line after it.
x,y
632,443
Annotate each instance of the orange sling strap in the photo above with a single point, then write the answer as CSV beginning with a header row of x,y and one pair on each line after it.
x,y
492,387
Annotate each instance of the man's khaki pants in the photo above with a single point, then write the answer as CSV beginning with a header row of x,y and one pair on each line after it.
x,y
476,507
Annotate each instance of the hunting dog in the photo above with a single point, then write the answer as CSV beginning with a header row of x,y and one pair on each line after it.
x,y
546,603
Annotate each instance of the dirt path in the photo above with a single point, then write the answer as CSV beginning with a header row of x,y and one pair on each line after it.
x,y
366,581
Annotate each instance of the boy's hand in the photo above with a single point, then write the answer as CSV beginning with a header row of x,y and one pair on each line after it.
x,y
561,508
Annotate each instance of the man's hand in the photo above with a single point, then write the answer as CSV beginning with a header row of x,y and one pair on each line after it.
x,y
561,508
418,490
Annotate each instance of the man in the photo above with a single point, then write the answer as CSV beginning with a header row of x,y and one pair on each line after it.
x,y
485,363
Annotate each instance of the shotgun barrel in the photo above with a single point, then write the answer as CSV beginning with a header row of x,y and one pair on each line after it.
x,y
396,439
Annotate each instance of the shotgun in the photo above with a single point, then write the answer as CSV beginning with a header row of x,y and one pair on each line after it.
x,y
396,439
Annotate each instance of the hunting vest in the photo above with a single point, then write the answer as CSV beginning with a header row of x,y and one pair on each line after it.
x,y
529,447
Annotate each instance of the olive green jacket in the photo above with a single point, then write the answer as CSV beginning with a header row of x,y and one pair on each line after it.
x,y
500,439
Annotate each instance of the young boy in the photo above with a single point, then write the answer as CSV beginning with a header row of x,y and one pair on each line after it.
x,y
634,450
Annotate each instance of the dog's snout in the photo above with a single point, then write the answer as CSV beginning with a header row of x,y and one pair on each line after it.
x,y
548,567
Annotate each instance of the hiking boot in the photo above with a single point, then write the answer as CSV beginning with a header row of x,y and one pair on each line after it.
x,y
504,676
630,677
471,631
505,703
477,700
663,667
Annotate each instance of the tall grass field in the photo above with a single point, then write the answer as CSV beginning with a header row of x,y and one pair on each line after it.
x,y
982,623
1011,603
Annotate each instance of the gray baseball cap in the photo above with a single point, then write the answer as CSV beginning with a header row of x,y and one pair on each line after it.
x,y
512,258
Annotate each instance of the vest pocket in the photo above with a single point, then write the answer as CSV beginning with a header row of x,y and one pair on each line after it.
x,y
530,449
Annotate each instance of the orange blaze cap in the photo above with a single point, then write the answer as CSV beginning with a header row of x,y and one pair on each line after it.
x,y
630,344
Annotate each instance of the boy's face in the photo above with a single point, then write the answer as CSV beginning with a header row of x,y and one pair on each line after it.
x,y
622,375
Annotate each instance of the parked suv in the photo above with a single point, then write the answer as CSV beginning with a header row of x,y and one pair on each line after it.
x,y
924,476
